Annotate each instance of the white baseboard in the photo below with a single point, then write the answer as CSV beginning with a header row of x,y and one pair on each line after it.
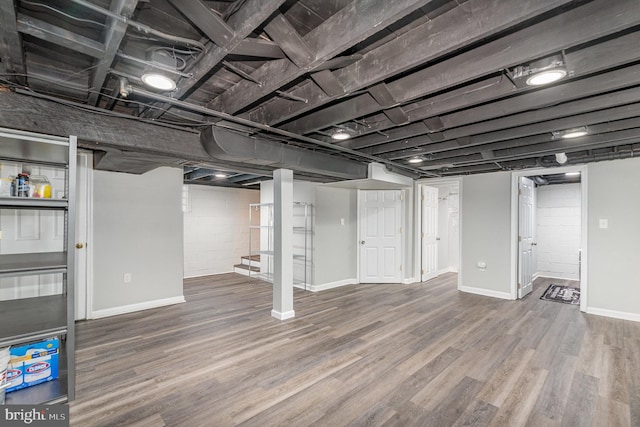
x,y
331,285
446,270
107,312
193,276
485,292
634,317
556,277
409,281
283,316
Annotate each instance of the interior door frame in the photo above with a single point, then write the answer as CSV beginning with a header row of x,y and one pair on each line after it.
x,y
515,178
431,182
86,157
403,223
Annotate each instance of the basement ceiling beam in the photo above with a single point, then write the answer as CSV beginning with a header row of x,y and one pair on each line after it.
x,y
529,142
40,115
574,90
349,26
243,22
10,43
568,29
289,40
603,102
440,36
206,20
56,35
258,48
112,40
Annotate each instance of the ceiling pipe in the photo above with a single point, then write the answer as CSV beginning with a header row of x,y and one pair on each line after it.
x,y
141,27
400,168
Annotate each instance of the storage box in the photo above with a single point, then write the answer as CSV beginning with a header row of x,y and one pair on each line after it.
x,y
33,364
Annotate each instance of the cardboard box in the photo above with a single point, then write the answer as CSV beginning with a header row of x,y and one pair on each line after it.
x,y
33,364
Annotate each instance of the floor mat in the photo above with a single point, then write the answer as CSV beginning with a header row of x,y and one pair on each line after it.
x,y
563,294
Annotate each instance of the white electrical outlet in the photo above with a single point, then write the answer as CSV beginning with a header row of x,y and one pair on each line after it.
x,y
127,278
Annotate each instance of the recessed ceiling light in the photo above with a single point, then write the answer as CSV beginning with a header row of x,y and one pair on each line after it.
x,y
416,160
572,174
546,77
340,135
158,81
220,175
574,133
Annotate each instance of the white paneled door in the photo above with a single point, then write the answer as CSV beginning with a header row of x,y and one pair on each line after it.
x,y
526,231
429,233
380,236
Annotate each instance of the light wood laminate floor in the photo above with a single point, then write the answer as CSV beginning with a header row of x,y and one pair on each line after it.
x,y
361,355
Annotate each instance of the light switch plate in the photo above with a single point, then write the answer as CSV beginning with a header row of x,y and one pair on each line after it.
x,y
604,223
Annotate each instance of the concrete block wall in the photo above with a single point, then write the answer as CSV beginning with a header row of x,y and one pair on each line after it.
x,y
216,229
558,231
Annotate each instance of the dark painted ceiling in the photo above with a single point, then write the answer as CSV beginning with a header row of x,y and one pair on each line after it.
x,y
442,80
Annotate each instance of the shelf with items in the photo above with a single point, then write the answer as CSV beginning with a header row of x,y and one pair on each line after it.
x,y
37,253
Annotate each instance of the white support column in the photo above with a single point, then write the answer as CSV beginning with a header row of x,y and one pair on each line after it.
x,y
283,244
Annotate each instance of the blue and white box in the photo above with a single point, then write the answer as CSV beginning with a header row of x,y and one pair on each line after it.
x,y
33,364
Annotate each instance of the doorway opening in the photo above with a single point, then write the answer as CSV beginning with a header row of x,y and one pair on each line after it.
x,y
549,231
439,240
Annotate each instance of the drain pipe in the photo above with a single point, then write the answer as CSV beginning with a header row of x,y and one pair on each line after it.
x,y
413,172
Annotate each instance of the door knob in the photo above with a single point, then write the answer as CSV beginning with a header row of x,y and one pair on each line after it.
x,y
362,242
437,238
79,246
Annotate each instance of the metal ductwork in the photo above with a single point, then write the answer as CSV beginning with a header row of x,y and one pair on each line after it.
x,y
226,145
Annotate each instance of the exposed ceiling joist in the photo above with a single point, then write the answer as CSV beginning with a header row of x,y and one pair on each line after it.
x,y
112,41
57,35
572,28
206,20
441,36
346,28
12,64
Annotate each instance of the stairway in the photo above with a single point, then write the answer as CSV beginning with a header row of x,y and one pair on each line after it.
x,y
248,265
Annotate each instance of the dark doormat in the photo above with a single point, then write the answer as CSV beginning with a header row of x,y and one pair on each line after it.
x,y
564,294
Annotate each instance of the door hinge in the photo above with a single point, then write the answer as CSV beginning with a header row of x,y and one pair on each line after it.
x,y
519,192
422,271
400,267
422,234
422,197
519,238
400,230
519,285
401,196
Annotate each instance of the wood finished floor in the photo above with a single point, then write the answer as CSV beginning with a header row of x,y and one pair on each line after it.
x,y
362,355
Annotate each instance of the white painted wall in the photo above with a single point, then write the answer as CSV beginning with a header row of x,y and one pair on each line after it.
x,y
216,229
137,229
614,252
558,231
336,244
486,227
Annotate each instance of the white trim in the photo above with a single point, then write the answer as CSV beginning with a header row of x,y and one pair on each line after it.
x,y
409,281
283,316
208,274
634,317
515,176
575,279
114,311
88,177
331,285
446,270
486,292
